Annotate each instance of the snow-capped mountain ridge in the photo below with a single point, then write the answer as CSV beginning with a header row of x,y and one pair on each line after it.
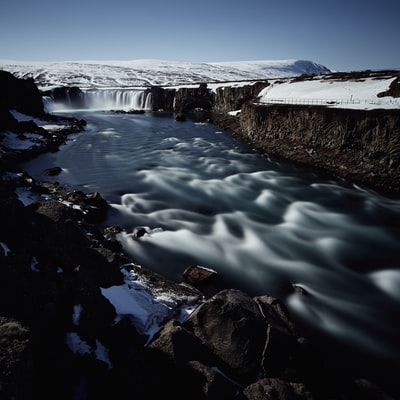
x,y
141,73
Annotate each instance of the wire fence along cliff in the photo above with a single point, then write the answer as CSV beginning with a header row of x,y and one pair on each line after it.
x,y
328,102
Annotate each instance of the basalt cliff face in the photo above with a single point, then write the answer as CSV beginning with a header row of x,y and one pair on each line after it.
x,y
363,146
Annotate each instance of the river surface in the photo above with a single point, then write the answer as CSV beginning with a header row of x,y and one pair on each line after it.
x,y
265,226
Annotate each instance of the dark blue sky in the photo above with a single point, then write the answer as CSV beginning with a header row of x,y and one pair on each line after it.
x,y
342,35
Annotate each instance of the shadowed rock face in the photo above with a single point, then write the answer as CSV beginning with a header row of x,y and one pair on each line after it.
x,y
20,94
360,145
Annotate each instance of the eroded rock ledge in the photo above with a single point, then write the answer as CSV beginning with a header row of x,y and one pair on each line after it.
x,y
363,146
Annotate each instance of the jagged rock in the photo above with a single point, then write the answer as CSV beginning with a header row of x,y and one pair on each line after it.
x,y
206,280
276,389
232,98
360,145
182,364
53,171
234,329
162,98
188,99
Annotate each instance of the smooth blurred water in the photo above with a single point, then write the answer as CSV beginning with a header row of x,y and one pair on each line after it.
x,y
263,225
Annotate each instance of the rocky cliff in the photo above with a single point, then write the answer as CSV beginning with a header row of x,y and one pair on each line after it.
x,y
363,146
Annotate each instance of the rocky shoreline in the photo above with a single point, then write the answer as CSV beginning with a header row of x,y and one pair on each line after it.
x,y
55,262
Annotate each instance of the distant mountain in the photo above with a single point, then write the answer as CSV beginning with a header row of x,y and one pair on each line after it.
x,y
139,73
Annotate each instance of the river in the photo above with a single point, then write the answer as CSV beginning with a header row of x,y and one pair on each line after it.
x,y
328,248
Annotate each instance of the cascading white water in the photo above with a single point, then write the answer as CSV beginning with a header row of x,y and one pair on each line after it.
x,y
104,99
116,99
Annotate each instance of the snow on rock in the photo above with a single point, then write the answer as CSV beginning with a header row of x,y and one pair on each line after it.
x,y
13,141
6,249
39,122
147,309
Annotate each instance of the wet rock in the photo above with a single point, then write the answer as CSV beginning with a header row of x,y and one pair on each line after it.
x,y
139,232
53,171
180,117
206,280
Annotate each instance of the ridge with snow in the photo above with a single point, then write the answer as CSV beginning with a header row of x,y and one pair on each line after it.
x,y
142,73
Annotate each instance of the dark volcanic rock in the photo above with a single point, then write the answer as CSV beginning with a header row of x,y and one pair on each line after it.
x,y
363,146
204,279
20,94
232,98
234,329
188,99
394,89
71,96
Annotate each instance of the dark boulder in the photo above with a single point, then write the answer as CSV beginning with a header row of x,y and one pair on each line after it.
x,y
181,363
234,329
206,280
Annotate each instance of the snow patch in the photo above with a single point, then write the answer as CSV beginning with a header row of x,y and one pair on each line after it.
x,y
147,310
6,249
14,142
80,347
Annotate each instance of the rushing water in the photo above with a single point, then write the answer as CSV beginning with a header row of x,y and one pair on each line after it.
x,y
262,224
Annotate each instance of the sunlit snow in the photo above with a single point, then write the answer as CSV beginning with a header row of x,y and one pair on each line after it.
x,y
139,73
357,94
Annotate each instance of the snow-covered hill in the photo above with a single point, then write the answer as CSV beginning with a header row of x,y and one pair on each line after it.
x,y
139,73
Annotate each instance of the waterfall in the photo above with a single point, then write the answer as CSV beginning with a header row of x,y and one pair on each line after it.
x,y
149,102
102,99
116,99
